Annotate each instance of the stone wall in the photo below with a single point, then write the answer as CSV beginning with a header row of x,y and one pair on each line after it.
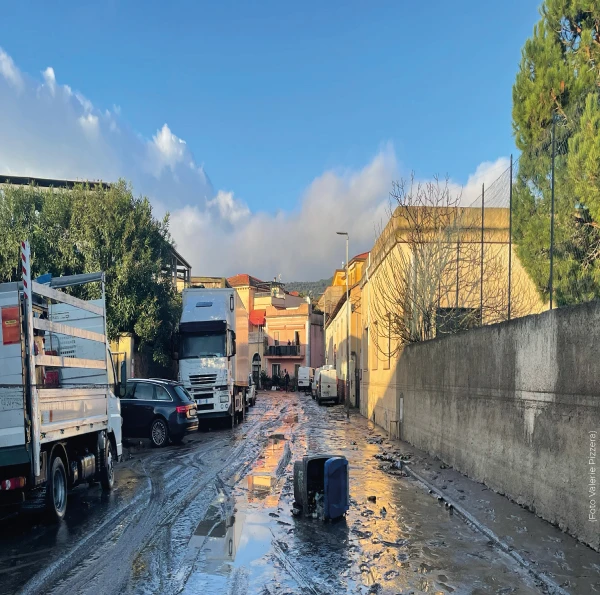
x,y
513,405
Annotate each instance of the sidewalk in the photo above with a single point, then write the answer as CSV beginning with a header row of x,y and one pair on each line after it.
x,y
559,560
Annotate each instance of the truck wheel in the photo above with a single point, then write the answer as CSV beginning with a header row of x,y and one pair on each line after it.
x,y
107,466
159,433
56,490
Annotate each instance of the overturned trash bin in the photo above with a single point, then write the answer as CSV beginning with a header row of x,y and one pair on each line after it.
x,y
321,487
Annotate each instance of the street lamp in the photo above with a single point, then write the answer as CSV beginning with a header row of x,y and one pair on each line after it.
x,y
348,312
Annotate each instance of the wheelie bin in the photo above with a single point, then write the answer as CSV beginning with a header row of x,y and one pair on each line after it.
x,y
321,487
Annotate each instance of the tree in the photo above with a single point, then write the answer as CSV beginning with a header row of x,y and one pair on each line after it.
x,y
427,276
556,86
97,229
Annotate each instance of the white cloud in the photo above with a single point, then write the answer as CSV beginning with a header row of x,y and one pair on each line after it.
x,y
89,123
9,71
50,79
229,209
49,130
300,244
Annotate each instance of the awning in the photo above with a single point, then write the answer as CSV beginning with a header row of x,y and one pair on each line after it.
x,y
257,317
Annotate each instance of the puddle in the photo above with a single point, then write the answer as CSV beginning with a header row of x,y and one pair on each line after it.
x,y
235,533
270,465
226,539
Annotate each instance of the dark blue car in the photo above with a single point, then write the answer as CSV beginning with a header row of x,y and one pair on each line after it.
x,y
161,410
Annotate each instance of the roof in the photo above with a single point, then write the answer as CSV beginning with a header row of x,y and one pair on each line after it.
x,y
180,260
294,293
257,317
244,280
362,256
49,182
154,380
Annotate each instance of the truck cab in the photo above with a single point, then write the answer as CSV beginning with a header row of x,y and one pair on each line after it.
x,y
209,365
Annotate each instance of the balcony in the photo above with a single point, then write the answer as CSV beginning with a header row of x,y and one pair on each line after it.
x,y
285,351
256,337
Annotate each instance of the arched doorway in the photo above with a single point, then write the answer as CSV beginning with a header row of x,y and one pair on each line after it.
x,y
256,369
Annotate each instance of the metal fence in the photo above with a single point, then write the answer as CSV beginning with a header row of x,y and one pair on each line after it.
x,y
547,200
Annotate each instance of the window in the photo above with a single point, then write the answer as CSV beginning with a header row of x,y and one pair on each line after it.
x,y
206,345
183,394
110,370
387,360
375,348
144,391
161,394
453,320
276,370
130,391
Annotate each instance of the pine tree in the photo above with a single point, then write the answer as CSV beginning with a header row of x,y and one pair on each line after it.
x,y
557,84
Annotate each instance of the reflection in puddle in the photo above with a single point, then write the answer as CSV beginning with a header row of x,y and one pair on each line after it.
x,y
232,534
269,466
218,534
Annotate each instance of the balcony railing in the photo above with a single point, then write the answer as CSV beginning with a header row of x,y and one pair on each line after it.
x,y
285,351
256,337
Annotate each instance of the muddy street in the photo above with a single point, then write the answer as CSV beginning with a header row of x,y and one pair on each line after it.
x,y
214,515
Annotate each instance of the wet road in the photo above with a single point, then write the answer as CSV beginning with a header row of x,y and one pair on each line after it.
x,y
214,516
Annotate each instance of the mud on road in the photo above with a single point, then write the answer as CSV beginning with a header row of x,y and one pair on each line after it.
x,y
214,515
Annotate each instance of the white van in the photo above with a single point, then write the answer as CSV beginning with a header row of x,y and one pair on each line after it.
x,y
305,376
314,385
328,392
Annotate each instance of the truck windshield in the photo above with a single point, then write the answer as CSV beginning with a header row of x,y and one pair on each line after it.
x,y
204,345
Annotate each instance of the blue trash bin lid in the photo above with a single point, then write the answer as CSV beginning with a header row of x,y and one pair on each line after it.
x,y
336,500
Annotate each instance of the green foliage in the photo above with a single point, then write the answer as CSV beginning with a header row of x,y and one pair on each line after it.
x,y
558,80
94,229
312,288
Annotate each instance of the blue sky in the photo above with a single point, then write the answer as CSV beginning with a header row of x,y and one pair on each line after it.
x,y
269,96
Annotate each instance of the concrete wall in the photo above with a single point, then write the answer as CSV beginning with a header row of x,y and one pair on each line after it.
x,y
513,405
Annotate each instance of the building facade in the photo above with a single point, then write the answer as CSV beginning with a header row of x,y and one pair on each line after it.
x,y
285,332
341,347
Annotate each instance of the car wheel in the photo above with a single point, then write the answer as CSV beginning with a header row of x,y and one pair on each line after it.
x,y
107,466
159,433
56,490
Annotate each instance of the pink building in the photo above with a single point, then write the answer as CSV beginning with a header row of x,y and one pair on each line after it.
x,y
285,334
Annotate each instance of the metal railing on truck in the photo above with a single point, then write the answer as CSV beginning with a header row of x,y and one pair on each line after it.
x,y
52,292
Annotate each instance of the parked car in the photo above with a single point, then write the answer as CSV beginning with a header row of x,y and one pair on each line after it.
x,y
161,410
251,392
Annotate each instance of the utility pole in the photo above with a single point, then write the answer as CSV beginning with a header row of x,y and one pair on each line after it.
x,y
552,213
510,207
482,254
348,312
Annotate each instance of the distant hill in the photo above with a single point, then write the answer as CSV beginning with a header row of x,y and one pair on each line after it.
x,y
313,288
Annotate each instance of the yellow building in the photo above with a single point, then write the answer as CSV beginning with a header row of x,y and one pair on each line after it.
x,y
336,310
420,283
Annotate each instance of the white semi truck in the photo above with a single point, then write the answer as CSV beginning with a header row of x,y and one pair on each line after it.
x,y
60,421
213,352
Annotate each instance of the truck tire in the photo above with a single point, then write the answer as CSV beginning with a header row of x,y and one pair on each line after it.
x,y
107,466
159,433
56,490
